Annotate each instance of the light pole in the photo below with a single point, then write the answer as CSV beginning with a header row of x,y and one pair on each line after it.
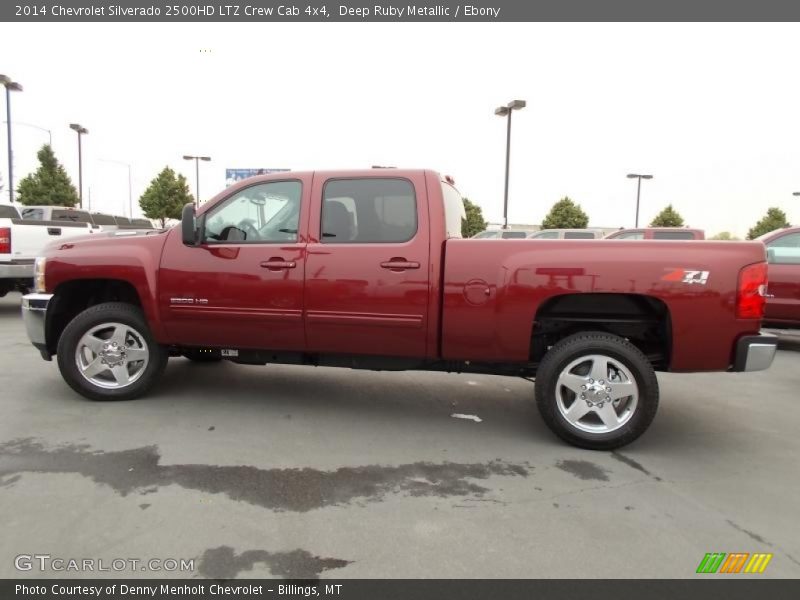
x,y
81,131
504,111
196,160
130,194
638,191
11,86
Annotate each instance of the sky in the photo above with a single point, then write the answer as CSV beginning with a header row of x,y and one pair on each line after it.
x,y
712,111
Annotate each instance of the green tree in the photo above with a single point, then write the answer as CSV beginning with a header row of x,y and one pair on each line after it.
x,y
49,185
774,219
565,214
669,217
725,235
166,196
474,223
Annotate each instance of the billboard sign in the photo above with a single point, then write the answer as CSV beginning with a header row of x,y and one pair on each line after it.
x,y
235,175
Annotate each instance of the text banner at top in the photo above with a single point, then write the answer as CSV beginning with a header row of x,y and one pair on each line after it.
x,y
256,11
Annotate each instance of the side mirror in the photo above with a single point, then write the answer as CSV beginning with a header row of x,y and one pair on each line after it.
x,y
189,225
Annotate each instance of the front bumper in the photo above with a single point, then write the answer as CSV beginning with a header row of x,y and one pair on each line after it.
x,y
16,270
755,352
34,315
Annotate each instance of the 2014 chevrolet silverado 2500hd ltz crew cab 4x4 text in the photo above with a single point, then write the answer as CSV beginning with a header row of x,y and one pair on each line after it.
x,y
365,269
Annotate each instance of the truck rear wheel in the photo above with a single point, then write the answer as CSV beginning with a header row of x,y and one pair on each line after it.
x,y
108,353
596,390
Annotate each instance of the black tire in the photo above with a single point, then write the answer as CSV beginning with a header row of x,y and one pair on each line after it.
x,y
116,312
572,348
203,356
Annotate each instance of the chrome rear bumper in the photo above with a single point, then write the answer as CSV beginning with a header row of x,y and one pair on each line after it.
x,y
755,352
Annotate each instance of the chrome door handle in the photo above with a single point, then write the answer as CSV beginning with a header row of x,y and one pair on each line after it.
x,y
278,264
399,265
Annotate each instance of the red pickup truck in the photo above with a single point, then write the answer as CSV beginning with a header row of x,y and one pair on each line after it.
x,y
365,269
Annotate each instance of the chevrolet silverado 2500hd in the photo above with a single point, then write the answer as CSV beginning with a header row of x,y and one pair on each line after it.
x,y
365,269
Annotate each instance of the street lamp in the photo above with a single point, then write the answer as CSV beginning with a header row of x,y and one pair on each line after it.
x,y
130,195
11,86
196,160
502,112
80,130
638,190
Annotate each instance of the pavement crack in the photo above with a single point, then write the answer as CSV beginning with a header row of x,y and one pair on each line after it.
x,y
633,464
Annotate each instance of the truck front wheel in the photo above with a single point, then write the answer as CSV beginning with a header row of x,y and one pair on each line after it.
x,y
108,353
596,390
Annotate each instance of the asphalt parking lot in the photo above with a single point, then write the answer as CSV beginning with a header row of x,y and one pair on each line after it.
x,y
302,472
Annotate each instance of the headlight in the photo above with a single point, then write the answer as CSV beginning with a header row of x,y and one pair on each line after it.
x,y
38,275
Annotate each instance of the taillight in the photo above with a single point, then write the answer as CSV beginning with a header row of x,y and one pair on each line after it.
x,y
751,294
5,240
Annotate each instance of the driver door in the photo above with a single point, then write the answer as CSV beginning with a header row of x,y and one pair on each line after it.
x,y
242,287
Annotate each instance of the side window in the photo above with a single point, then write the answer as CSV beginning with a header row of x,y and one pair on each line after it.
x,y
267,212
673,235
785,250
578,235
786,241
514,235
368,210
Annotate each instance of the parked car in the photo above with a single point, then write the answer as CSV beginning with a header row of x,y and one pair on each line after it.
x,y
658,233
365,269
22,240
567,234
783,294
501,234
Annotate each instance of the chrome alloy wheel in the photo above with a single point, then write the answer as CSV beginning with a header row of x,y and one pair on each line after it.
x,y
596,394
112,355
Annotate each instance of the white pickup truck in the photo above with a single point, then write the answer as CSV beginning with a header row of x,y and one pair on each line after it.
x,y
22,240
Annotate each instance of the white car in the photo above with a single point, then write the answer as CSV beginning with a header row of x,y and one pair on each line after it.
x,y
22,240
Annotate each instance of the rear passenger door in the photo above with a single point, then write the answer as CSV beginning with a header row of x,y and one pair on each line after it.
x,y
367,270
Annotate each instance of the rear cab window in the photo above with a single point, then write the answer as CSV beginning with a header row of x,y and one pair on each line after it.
x,y
101,219
368,210
673,235
34,214
545,235
73,216
454,212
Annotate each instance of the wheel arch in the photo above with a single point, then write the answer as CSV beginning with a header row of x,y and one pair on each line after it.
x,y
73,297
643,320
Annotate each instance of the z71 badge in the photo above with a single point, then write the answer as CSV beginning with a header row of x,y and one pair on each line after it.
x,y
687,276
